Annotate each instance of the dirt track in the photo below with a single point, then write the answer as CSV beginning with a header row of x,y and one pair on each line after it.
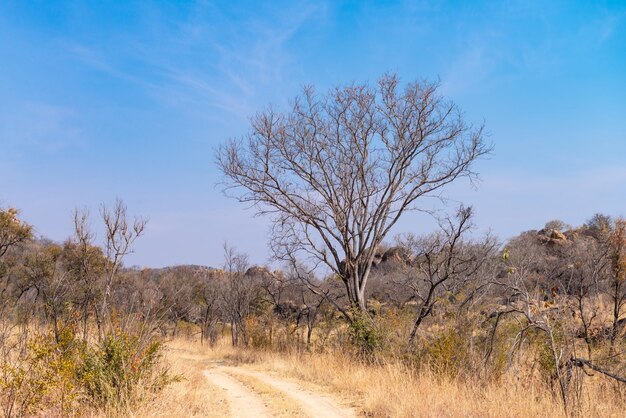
x,y
244,402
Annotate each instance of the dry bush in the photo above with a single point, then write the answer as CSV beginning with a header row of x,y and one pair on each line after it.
x,y
57,373
122,370
41,374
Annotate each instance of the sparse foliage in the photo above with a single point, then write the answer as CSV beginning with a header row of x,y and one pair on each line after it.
x,y
337,171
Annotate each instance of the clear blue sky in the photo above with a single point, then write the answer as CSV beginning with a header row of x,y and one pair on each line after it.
x,y
129,99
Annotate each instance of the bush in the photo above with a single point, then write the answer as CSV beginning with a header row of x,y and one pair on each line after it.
x,y
363,334
257,332
122,369
55,376
42,375
448,353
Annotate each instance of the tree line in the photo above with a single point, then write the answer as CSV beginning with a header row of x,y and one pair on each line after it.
x,y
552,298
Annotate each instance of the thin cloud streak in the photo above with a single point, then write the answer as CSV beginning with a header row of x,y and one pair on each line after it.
x,y
249,63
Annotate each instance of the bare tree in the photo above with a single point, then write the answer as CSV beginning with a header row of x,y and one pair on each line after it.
x,y
587,267
179,288
44,272
239,293
292,300
535,310
85,262
444,263
336,172
208,291
120,236
312,304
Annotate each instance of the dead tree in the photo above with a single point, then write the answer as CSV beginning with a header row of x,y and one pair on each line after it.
x,y
444,263
120,235
239,294
337,171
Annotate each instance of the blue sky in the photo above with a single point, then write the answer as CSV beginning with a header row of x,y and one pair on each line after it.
x,y
129,99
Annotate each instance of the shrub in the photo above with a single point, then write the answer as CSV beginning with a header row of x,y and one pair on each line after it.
x,y
42,375
256,332
54,376
448,352
122,369
363,334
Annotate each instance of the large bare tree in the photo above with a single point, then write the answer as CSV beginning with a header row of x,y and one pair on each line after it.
x,y
337,171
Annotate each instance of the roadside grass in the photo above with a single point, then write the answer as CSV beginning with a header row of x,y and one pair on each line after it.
x,y
374,390
193,395
393,389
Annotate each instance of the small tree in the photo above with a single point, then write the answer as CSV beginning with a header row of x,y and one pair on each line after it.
x,y
239,294
208,294
617,279
336,172
445,263
85,263
120,235
12,230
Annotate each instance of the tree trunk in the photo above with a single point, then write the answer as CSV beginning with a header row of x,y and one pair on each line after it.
x,y
616,312
308,336
233,333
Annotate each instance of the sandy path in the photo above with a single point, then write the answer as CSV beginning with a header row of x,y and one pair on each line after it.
x,y
243,402
314,404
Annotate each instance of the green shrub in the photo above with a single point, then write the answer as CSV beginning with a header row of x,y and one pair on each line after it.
x,y
42,375
122,369
55,376
448,352
363,334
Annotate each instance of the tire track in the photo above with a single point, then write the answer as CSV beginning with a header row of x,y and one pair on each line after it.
x,y
313,403
243,402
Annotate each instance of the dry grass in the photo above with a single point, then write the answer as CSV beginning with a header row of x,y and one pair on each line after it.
x,y
193,395
379,390
394,390
383,390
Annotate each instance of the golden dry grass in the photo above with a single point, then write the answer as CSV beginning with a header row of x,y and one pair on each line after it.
x,y
193,395
393,390
380,390
389,389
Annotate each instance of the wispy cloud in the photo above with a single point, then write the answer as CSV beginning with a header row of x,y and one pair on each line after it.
x,y
208,60
524,38
198,88
603,29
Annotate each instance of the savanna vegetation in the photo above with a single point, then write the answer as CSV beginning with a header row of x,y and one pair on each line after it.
x,y
447,323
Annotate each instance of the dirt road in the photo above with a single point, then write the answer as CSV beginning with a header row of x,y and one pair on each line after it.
x,y
247,400
243,402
